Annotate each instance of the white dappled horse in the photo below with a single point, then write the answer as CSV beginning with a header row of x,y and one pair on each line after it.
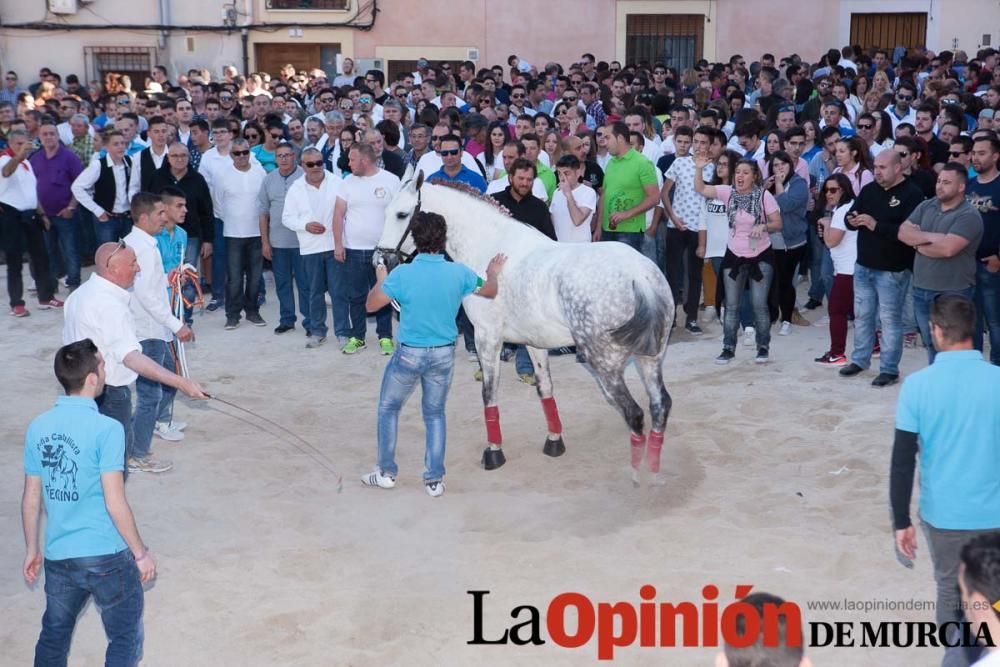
x,y
607,299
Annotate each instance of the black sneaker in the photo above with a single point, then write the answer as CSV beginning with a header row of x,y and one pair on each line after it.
x,y
256,320
762,356
692,328
725,357
214,305
850,370
885,379
813,304
283,328
231,324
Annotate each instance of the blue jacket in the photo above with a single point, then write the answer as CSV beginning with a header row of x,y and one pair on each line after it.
x,y
793,202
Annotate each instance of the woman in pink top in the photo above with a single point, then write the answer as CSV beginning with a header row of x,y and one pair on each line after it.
x,y
854,161
753,214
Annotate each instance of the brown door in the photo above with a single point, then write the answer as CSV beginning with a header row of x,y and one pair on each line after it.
x,y
887,31
271,57
677,40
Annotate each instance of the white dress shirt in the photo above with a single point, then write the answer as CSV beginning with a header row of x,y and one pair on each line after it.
x,y
99,310
19,190
136,182
66,132
238,192
305,203
83,186
150,304
990,659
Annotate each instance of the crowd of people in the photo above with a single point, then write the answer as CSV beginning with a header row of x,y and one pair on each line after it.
x,y
872,176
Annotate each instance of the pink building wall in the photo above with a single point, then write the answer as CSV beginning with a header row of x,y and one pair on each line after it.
x,y
807,27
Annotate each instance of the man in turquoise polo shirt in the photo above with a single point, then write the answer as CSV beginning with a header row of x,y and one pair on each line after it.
x,y
429,291
73,461
951,407
630,189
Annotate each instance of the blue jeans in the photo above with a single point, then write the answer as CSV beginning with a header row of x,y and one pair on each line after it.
x,y
152,399
879,294
113,581
759,290
359,278
286,264
219,264
432,367
633,239
116,402
922,300
987,298
522,362
324,276
67,236
112,230
746,309
820,267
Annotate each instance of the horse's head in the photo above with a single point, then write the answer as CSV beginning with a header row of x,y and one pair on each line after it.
x,y
396,244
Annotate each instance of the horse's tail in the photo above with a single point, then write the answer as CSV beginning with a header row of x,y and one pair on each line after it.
x,y
646,331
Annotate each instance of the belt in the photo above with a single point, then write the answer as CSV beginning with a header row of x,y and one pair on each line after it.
x,y
427,347
120,215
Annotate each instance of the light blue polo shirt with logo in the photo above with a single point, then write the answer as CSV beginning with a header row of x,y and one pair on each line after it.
x,y
952,406
69,447
429,291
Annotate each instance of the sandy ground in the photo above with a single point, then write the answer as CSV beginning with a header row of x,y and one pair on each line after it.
x,y
263,560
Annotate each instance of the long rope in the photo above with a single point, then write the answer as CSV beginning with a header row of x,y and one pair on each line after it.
x,y
308,450
176,280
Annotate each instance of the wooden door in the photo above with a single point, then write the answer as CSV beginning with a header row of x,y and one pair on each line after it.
x,y
887,31
271,57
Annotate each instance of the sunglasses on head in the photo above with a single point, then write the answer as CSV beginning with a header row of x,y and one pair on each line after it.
x,y
313,164
121,245
450,151
239,153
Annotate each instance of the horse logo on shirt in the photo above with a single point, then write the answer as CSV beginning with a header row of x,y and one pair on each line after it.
x,y
982,203
380,193
62,472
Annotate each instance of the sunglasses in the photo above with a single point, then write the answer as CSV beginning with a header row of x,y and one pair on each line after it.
x,y
903,154
832,189
121,245
450,151
225,98
364,100
905,98
313,164
285,156
956,153
569,99
123,103
239,153
326,100
865,127
518,96
276,136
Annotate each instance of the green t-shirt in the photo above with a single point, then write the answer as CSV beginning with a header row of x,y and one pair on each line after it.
x,y
548,178
624,187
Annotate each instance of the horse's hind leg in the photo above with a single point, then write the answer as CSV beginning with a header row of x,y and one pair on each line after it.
x,y
612,382
651,371
489,359
554,445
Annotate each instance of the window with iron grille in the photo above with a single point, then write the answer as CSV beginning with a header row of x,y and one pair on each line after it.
x,y
133,61
677,40
326,5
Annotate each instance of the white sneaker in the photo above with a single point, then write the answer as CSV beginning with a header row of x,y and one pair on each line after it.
x,y
435,489
749,337
329,302
177,426
786,328
473,357
376,478
163,431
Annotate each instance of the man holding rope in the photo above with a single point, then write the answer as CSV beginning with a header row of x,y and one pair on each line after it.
x,y
99,310
155,325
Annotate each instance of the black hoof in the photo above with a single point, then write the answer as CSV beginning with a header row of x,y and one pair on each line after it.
x,y
493,458
554,448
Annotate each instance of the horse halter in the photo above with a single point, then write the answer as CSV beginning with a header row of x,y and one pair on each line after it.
x,y
397,255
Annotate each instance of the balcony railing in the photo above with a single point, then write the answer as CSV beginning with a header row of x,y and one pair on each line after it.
x,y
315,5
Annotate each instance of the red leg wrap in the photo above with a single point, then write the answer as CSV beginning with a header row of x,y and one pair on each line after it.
x,y
653,450
493,425
638,441
552,415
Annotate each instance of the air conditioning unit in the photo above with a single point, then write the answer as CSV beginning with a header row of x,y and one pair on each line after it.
x,y
362,65
63,6
473,55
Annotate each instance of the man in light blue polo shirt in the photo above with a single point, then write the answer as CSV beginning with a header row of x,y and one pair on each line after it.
x,y
73,461
429,291
951,406
453,171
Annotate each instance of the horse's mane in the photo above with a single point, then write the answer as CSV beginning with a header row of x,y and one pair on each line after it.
x,y
472,192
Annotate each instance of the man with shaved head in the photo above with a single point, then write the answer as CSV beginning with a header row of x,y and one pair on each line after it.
x,y
884,267
99,310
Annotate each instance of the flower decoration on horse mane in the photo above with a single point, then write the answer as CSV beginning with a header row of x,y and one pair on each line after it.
x,y
472,192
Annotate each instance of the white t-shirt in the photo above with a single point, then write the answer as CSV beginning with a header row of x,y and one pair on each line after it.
x,y
238,192
566,231
845,254
687,204
367,198
716,224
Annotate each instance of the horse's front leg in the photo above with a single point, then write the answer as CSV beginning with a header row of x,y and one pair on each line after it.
x,y
554,445
488,347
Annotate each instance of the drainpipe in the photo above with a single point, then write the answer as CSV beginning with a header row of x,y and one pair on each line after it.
x,y
245,35
164,10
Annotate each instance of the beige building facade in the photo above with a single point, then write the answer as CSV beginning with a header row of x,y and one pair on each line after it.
x,y
92,37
